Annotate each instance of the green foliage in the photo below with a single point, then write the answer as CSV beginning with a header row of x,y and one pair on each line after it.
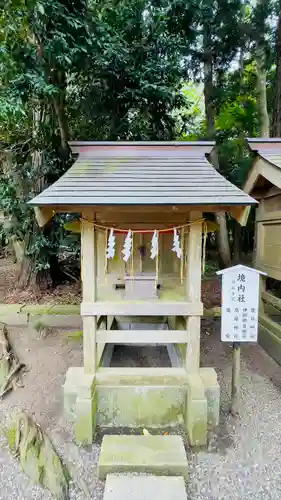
x,y
132,83
120,69
75,336
10,435
236,119
86,70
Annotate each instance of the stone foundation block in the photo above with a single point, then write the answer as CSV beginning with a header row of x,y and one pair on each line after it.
x,y
121,487
85,422
80,402
14,319
196,411
72,322
140,406
212,393
159,455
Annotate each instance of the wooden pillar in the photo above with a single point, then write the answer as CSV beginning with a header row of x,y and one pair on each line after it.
x,y
259,249
193,291
89,287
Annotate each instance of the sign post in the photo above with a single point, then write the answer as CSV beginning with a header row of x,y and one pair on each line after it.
x,y
235,381
239,318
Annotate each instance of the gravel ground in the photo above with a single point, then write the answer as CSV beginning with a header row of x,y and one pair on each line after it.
x,y
243,460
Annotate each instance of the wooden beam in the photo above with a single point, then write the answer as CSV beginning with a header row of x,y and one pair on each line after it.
x,y
142,336
240,214
43,215
252,177
269,216
272,272
142,308
89,278
271,173
110,210
265,169
193,292
271,299
259,236
270,325
101,324
272,192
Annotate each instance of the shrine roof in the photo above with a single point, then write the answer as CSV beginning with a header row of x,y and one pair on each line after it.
x,y
142,173
268,149
266,167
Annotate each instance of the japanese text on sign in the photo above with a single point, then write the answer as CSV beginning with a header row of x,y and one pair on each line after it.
x,y
240,298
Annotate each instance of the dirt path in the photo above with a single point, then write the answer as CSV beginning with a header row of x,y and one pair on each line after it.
x,y
7,276
242,462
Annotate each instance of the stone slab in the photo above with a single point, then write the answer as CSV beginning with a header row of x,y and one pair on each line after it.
x,y
55,320
141,376
196,411
160,455
14,318
82,382
121,487
10,308
51,309
85,421
212,393
140,406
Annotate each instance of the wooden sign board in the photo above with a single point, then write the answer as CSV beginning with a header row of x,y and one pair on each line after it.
x,y
240,304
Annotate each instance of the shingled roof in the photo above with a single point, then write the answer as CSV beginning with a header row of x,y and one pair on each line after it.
x,y
142,173
266,168
269,149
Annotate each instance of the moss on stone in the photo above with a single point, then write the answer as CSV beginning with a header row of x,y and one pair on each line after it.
x,y
75,336
85,420
141,406
10,435
151,454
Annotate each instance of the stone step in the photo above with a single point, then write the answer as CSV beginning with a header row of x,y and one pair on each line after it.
x,y
121,487
160,455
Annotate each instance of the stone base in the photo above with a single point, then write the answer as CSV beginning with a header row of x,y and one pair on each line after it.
x,y
212,394
80,404
196,411
142,399
160,455
121,487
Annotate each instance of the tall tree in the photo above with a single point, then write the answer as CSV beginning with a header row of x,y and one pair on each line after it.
x,y
259,29
276,119
103,70
219,48
40,43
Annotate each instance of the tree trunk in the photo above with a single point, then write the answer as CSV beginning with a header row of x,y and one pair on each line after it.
x,y
237,233
276,121
223,239
59,79
222,234
261,93
208,88
28,276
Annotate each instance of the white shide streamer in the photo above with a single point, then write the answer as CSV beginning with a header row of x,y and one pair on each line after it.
x,y
110,251
176,244
154,245
127,246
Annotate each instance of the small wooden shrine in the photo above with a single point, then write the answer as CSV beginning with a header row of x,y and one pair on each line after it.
x,y
264,183
142,213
